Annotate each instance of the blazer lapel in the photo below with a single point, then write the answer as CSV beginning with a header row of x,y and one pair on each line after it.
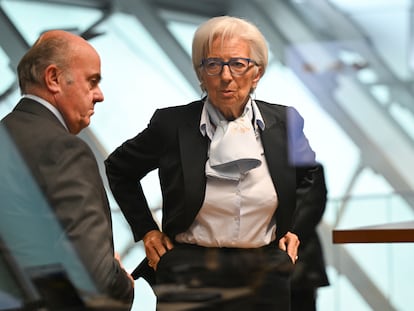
x,y
193,150
274,139
274,143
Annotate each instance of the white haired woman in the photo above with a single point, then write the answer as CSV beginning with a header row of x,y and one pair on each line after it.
x,y
230,169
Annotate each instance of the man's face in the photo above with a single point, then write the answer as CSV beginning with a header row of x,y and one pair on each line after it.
x,y
80,90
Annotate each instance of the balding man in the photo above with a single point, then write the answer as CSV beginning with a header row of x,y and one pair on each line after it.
x,y
59,80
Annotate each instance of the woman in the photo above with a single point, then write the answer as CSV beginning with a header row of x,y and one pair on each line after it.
x,y
229,169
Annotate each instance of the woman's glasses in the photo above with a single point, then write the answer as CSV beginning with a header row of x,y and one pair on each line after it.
x,y
238,66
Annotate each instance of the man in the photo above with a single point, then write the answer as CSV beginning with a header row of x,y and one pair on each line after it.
x,y
59,80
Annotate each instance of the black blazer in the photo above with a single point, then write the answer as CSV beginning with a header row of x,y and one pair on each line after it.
x,y
310,270
66,171
173,144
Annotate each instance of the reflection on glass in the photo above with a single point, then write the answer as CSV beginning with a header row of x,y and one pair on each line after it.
x,y
33,240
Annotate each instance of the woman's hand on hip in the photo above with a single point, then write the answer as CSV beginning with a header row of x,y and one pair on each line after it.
x,y
156,244
290,244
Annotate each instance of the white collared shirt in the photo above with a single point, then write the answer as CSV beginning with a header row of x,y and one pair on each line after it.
x,y
236,213
49,106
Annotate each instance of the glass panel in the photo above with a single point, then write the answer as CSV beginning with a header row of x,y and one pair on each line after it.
x,y
8,77
382,273
138,78
31,234
34,17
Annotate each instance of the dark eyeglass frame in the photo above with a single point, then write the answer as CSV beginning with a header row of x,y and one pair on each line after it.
x,y
222,63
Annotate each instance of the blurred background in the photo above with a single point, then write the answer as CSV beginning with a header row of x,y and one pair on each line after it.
x,y
345,65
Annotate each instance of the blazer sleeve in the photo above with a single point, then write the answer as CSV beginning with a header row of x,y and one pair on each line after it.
x,y
125,167
77,195
310,204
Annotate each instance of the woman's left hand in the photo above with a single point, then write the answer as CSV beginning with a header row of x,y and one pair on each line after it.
x,y
290,244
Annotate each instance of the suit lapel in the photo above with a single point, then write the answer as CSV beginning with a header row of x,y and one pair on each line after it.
x,y
274,143
193,151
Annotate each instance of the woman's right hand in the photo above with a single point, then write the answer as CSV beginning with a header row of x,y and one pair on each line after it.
x,y
156,244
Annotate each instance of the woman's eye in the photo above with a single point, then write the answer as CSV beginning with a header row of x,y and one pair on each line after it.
x,y
213,64
237,64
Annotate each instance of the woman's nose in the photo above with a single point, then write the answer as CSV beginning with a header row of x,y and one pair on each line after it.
x,y
226,73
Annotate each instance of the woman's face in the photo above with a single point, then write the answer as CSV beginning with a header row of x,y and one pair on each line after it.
x,y
230,93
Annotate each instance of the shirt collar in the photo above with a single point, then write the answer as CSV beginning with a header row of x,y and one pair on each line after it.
x,y
207,128
49,106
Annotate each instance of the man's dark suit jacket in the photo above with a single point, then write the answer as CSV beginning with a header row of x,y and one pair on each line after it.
x,y
67,173
173,144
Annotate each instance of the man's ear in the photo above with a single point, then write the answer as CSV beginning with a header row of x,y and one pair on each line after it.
x,y
51,77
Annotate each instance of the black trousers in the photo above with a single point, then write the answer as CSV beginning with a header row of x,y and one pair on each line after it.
x,y
303,299
264,271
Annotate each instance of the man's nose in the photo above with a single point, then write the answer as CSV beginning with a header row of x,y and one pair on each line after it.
x,y
99,97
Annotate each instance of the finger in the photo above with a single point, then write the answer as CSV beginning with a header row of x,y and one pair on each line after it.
x,y
282,244
160,250
131,279
156,245
152,265
163,245
117,256
154,253
292,248
293,256
168,244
